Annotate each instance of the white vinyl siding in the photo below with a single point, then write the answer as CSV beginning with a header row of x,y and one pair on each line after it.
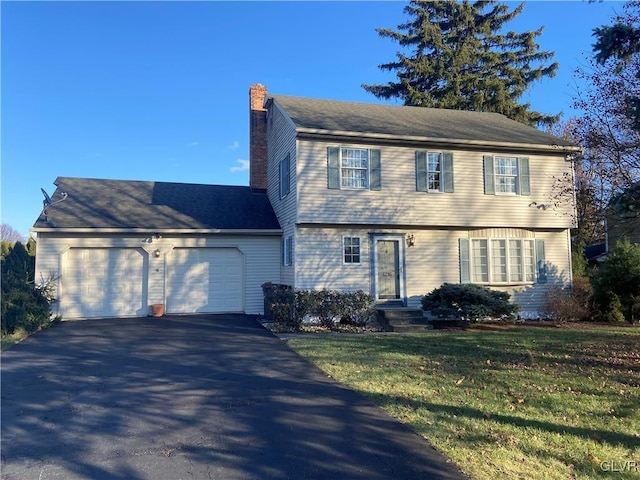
x,y
403,204
281,145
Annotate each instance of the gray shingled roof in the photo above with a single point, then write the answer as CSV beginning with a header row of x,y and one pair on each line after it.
x,y
122,204
400,121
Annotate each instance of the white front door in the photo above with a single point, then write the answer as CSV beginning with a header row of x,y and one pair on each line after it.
x,y
389,271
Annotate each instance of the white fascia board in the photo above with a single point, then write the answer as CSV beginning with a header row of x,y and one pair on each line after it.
x,y
147,231
565,149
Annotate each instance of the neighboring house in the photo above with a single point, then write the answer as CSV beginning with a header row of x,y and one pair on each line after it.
x,y
387,199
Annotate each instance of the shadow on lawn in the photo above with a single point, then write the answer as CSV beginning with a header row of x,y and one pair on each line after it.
x,y
447,412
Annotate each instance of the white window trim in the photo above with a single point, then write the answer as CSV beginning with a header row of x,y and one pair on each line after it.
x,y
490,281
344,261
440,173
368,169
287,251
496,175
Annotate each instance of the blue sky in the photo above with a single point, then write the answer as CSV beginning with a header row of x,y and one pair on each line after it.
x,y
159,90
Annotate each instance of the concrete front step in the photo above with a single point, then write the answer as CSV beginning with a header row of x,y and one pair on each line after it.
x,y
405,320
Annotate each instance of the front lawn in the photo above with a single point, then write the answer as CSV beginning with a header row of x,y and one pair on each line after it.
x,y
528,402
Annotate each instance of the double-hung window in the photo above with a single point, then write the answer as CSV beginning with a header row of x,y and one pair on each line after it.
x,y
285,176
287,251
502,260
434,171
351,250
506,175
352,168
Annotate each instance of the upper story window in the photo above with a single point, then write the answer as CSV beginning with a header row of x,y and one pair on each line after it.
x,y
285,176
353,168
434,171
506,175
351,249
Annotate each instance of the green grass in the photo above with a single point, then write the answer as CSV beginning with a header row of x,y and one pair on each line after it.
x,y
534,403
9,341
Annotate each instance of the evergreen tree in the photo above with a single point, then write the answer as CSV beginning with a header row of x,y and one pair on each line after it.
x,y
460,58
621,42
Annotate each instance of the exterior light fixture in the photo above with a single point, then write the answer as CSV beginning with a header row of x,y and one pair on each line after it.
x,y
411,240
157,253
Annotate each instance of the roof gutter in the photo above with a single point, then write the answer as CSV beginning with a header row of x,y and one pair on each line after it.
x,y
316,132
164,231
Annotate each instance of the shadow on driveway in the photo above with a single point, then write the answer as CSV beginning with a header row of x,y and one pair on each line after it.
x,y
191,397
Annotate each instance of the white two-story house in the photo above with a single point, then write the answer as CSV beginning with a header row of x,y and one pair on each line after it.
x,y
387,199
398,200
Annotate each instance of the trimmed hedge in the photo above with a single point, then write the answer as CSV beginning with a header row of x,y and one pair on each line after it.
x,y
287,308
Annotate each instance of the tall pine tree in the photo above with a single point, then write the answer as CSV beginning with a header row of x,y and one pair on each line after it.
x,y
458,57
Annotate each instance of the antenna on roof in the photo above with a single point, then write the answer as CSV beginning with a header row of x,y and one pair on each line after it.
x,y
47,202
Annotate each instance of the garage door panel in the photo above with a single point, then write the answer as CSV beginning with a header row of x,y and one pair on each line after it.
x,y
205,280
99,282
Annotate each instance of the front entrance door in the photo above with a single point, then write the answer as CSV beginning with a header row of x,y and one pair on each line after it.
x,y
388,274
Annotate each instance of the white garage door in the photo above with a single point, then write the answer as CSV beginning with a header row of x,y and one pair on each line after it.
x,y
103,282
205,280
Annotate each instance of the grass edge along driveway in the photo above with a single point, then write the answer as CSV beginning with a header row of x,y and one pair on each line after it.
x,y
528,402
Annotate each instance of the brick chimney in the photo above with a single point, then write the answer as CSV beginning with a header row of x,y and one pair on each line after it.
x,y
257,137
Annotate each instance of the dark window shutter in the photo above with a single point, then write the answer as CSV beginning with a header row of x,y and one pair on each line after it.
x,y
447,172
489,188
465,260
333,167
541,262
421,172
523,175
375,170
285,176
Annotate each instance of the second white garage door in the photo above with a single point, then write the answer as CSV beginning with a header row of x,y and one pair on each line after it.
x,y
205,280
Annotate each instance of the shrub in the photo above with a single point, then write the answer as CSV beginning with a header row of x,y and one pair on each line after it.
x,y
326,306
617,283
565,305
281,300
23,305
468,302
356,307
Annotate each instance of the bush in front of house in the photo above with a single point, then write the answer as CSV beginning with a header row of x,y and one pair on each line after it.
x,y
356,308
569,304
468,301
23,305
288,308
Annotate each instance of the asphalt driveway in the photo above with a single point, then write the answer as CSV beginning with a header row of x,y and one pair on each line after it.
x,y
191,397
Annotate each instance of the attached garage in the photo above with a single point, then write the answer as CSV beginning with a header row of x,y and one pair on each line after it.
x,y
116,247
103,282
205,280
